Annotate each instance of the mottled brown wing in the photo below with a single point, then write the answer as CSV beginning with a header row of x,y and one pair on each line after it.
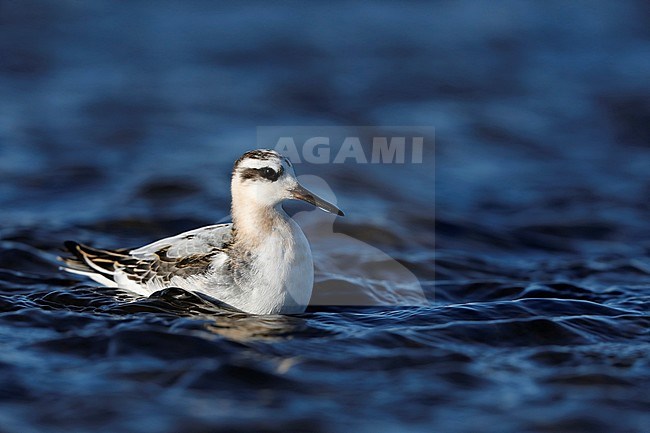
x,y
159,266
163,268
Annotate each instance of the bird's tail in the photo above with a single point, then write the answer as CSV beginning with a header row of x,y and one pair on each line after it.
x,y
95,263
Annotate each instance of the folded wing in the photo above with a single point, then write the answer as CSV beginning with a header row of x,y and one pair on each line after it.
x,y
185,255
199,241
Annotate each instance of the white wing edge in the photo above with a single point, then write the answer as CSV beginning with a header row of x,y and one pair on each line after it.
x,y
148,250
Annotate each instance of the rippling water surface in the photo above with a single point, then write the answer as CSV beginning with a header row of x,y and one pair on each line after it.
x,y
119,124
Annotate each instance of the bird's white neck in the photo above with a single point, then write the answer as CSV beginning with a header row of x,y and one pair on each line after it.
x,y
275,246
254,224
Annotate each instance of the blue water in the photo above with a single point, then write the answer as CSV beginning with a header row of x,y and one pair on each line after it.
x,y
526,227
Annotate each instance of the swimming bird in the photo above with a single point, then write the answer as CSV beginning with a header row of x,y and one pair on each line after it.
x,y
261,263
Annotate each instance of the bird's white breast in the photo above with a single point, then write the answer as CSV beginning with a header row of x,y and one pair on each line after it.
x,y
274,276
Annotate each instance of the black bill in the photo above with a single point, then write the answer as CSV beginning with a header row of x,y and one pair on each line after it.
x,y
302,193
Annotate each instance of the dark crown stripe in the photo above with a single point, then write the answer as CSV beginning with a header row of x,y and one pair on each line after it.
x,y
258,154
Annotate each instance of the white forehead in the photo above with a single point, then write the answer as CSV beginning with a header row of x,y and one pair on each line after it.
x,y
274,163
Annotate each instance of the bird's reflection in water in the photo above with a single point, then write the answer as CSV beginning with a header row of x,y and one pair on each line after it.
x,y
244,327
221,319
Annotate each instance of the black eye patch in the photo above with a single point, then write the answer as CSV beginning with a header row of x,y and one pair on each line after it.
x,y
268,173
265,173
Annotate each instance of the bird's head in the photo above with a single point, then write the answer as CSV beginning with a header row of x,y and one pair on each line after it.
x,y
264,178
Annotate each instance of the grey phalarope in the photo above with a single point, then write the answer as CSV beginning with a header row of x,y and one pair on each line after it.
x,y
261,263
